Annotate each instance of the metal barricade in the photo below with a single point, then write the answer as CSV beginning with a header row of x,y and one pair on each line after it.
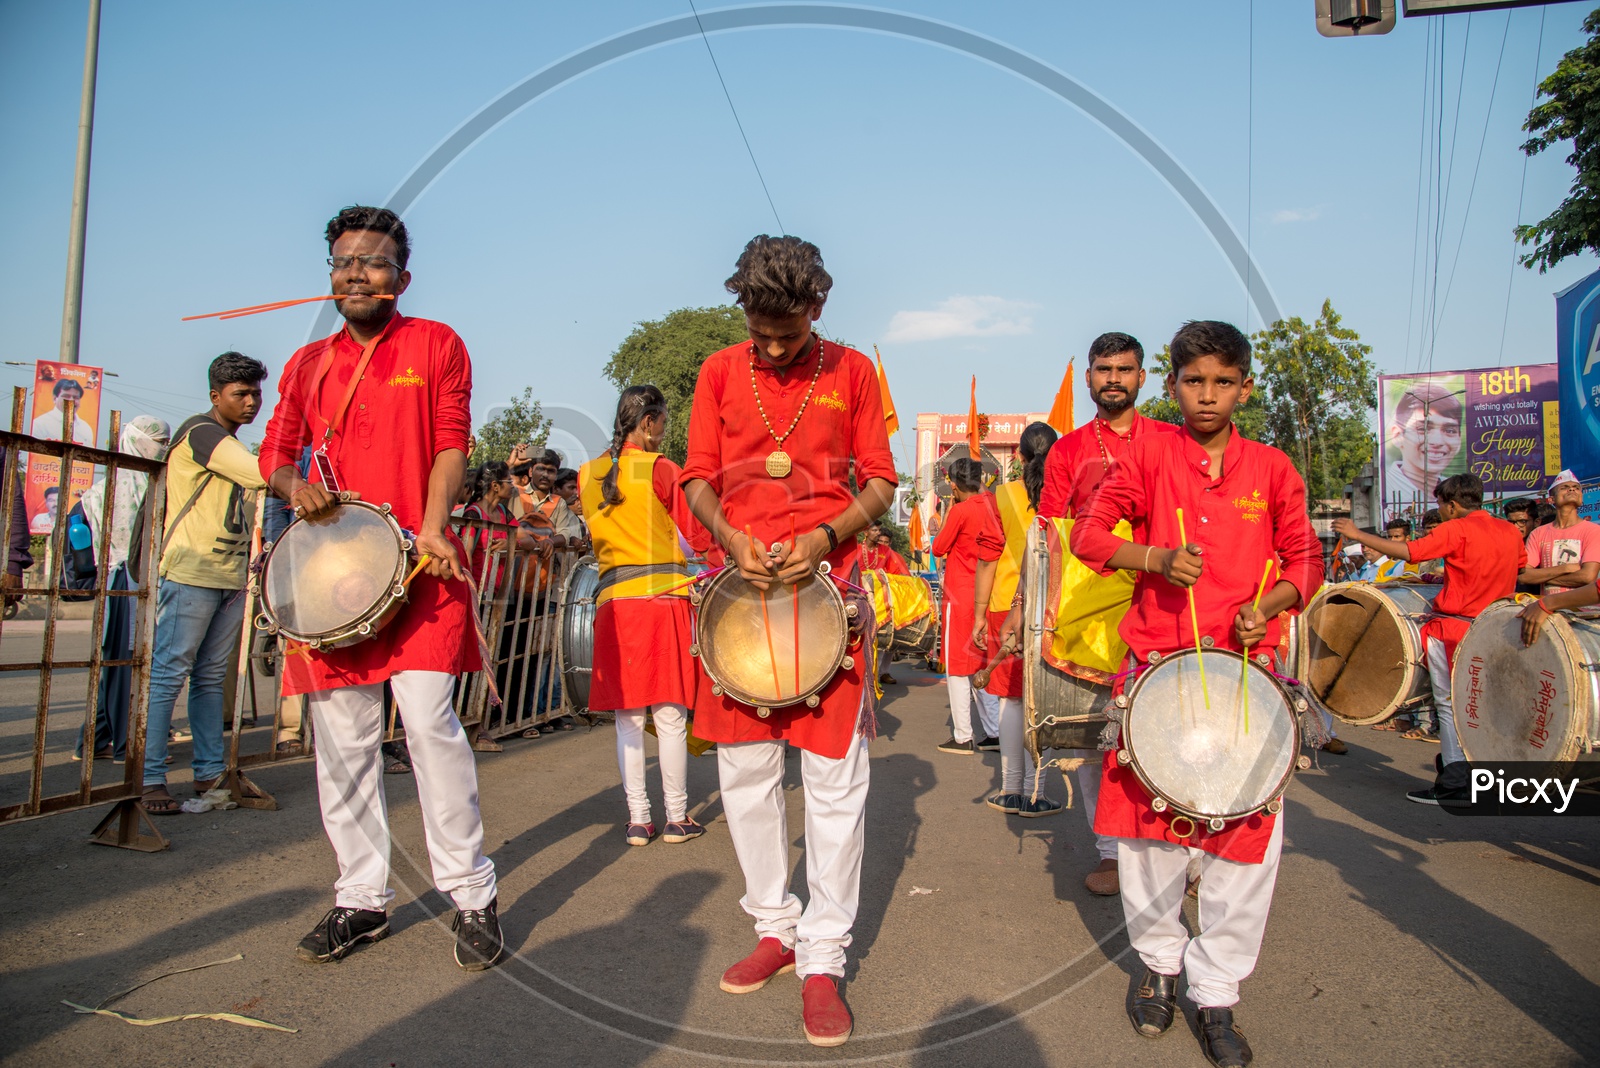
x,y
127,824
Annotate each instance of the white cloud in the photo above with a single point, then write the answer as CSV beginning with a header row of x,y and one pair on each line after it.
x,y
1293,215
962,317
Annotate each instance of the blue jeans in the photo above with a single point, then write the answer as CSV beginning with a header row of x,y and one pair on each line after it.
x,y
197,630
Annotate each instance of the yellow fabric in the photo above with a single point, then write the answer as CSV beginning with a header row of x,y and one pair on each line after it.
x,y
880,598
910,598
1090,608
210,545
1016,514
638,531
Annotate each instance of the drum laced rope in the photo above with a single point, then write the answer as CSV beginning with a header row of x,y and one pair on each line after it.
x,y
483,644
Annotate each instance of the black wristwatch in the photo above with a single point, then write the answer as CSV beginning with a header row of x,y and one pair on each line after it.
x,y
833,538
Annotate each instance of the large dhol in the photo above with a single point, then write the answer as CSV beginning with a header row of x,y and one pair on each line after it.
x,y
1205,761
577,631
1063,711
915,610
1516,702
1361,649
338,580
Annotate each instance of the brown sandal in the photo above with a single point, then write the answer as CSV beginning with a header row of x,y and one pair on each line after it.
x,y
158,802
202,785
291,747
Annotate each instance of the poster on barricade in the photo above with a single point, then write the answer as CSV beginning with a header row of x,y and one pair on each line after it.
x,y
1500,423
55,385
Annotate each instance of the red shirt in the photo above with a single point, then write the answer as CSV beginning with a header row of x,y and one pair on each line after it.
x,y
1256,511
412,403
971,532
1080,460
728,448
883,558
1482,555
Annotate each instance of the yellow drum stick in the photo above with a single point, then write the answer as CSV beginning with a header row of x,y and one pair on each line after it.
x,y
1194,618
1244,670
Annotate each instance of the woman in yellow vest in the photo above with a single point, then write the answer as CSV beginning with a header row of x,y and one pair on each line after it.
x,y
993,589
643,626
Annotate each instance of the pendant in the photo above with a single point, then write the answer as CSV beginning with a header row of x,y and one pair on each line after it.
x,y
778,465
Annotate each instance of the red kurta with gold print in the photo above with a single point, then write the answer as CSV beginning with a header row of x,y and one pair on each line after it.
x,y
728,448
413,402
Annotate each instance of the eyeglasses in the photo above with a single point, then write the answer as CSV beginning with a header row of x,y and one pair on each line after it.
x,y
370,263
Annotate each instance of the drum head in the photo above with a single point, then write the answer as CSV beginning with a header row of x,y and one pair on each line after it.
x,y
1201,760
734,636
1362,657
325,576
1517,702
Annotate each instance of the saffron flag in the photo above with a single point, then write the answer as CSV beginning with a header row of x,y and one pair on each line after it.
x,y
891,421
915,534
1061,410
972,422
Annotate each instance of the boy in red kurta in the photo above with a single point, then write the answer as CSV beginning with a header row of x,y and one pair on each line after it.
x,y
778,422
971,532
1243,504
386,404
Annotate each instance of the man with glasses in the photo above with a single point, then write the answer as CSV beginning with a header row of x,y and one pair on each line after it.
x,y
386,405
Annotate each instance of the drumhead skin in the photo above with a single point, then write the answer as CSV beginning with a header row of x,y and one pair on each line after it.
x,y
1201,760
577,631
1362,648
1517,702
323,579
733,638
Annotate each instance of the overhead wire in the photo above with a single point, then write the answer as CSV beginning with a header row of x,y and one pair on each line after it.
x,y
1249,159
1416,217
1533,99
729,98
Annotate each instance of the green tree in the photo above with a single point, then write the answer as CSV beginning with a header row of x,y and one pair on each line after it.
x,y
521,421
1251,418
667,354
1571,112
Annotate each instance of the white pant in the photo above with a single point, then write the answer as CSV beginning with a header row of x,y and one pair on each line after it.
x,y
1089,793
1444,713
1017,772
962,694
1234,901
349,726
672,754
836,801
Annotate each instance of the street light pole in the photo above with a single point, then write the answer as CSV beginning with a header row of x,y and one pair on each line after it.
x,y
72,306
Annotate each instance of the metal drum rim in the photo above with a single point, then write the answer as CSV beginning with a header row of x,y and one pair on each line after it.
x,y
1410,640
342,635
834,597
563,668
1126,744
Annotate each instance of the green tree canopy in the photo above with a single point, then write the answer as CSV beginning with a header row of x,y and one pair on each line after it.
x,y
1570,112
667,354
1250,419
521,421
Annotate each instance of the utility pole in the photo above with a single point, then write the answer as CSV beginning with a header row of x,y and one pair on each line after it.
x,y
72,306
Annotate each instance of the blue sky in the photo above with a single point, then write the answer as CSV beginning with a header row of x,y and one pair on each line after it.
x,y
974,223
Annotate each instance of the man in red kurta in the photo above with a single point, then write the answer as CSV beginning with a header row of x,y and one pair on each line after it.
x,y
780,424
1243,504
385,402
971,532
878,555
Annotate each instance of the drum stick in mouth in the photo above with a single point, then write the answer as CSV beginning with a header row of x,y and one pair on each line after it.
x,y
1194,619
794,600
766,625
1244,668
274,305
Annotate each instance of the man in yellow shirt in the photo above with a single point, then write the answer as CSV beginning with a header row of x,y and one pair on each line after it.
x,y
211,484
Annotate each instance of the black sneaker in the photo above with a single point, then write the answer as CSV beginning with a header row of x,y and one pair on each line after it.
x,y
988,745
340,931
1433,795
1007,803
1034,807
950,745
479,943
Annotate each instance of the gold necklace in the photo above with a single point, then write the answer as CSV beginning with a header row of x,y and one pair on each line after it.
x,y
778,463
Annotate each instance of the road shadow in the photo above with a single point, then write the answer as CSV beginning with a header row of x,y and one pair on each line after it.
x,y
893,826
982,1035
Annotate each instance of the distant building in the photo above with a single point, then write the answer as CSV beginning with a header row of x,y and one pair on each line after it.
x,y
942,438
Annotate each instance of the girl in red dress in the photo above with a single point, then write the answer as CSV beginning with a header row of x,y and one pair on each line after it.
x,y
642,629
971,532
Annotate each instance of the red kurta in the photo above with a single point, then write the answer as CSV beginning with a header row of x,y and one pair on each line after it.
x,y
1482,554
971,532
412,403
728,448
1080,459
1255,511
883,558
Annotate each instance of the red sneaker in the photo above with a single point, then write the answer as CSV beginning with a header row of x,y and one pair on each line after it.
x,y
827,1021
751,974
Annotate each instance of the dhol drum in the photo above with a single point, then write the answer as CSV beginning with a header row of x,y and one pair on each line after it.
x,y
773,650
1201,761
916,617
1361,649
1527,702
577,631
876,583
335,581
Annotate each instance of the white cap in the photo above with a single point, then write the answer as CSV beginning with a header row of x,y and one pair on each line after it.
x,y
1353,549
1564,477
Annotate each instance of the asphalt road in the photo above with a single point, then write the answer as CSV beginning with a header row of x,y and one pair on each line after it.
x,y
1400,935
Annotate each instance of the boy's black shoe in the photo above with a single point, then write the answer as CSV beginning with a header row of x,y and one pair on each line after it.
x,y
340,931
479,943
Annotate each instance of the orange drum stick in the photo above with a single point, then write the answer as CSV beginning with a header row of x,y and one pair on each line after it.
x,y
794,543
274,305
766,625
1194,618
1244,670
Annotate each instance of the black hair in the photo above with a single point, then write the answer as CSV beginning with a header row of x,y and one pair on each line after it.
x,y
779,276
636,404
1547,513
1208,337
1403,524
1464,489
565,475
65,384
1033,446
1427,398
966,474
233,367
1432,517
546,458
486,476
1115,343
1521,504
375,220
